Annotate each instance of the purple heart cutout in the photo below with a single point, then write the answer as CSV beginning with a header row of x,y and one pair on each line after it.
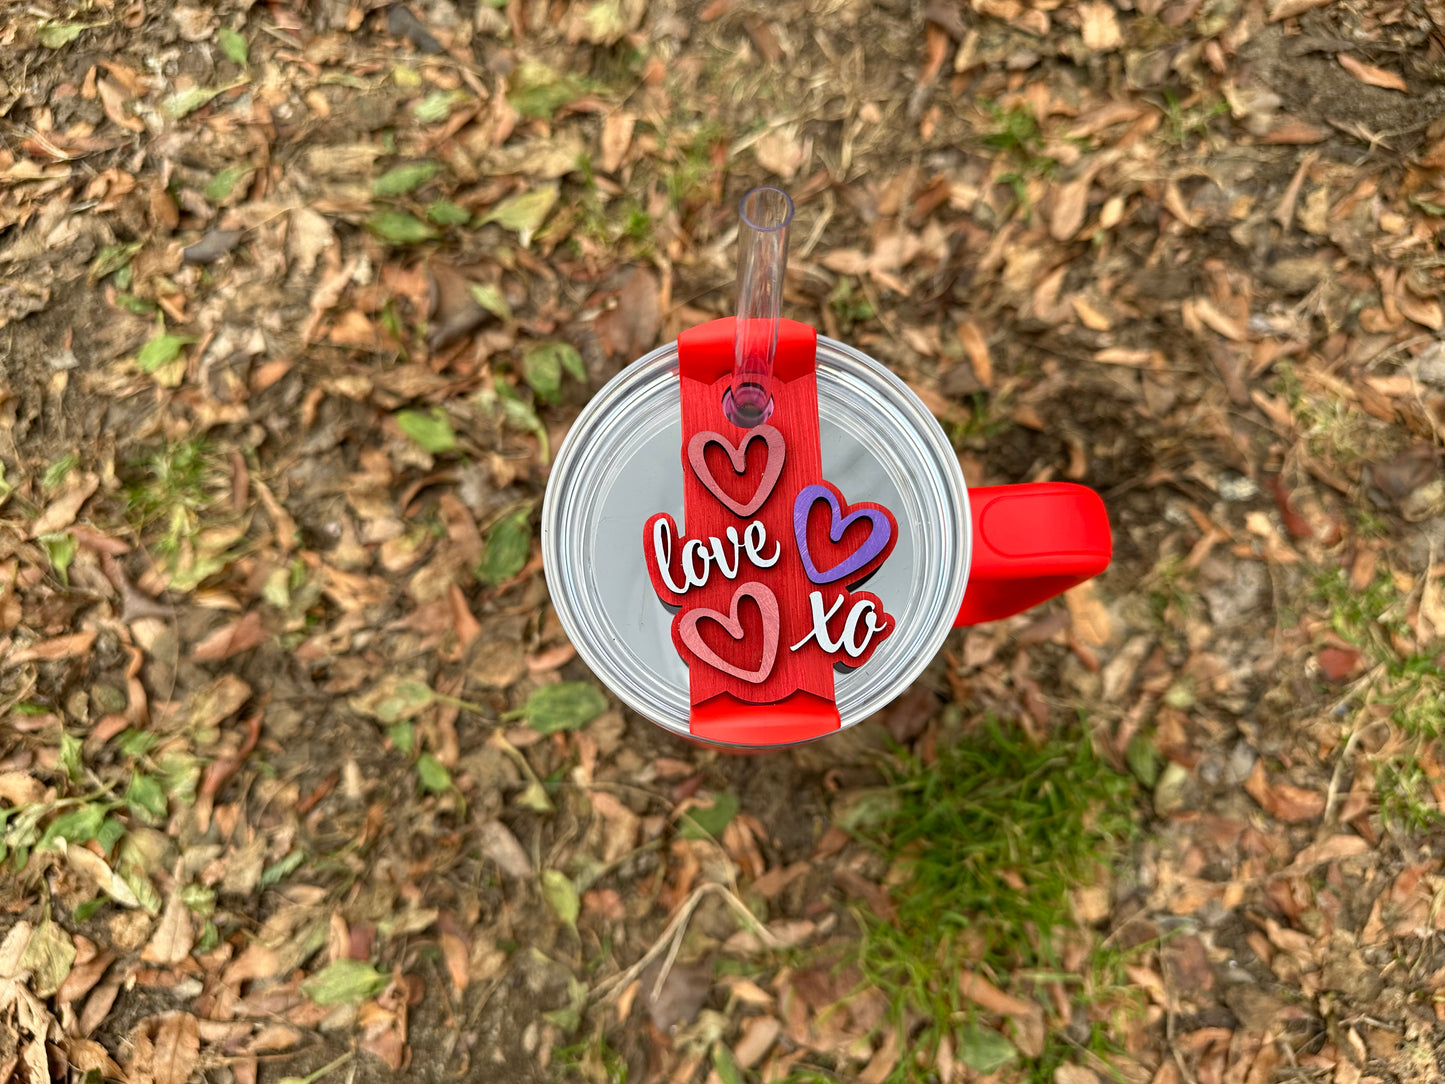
x,y
875,543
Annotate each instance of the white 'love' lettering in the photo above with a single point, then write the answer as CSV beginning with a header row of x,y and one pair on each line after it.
x,y
698,556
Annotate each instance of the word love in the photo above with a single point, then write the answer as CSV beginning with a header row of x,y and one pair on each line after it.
x,y
697,558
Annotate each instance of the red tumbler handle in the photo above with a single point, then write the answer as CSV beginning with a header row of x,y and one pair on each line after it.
x,y
1030,543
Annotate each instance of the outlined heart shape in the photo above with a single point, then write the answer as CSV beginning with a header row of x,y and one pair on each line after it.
x,y
738,457
767,602
876,543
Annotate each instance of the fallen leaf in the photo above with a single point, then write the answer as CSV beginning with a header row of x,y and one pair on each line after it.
x,y
976,346
561,894
1283,800
231,639
48,957
524,213
177,1048
780,152
1091,620
569,705
759,1034
1371,75
1070,202
683,993
987,996
1329,850
344,982
307,238
19,789
617,131
112,100
1288,9
1075,1074
174,936
629,329
87,1055
1100,26
59,647
1339,663
61,512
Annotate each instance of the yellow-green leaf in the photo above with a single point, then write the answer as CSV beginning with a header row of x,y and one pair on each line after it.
x,y
59,35
404,179
161,351
509,544
491,299
433,774
344,982
561,895
429,428
233,45
446,213
399,228
567,706
525,213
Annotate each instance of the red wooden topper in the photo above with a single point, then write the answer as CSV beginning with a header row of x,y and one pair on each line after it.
x,y
763,581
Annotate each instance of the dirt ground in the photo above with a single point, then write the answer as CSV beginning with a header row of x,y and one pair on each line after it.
x,y
298,771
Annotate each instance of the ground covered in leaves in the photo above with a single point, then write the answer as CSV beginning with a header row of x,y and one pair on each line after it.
x,y
299,777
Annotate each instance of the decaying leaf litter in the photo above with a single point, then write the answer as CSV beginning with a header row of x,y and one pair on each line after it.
x,y
298,774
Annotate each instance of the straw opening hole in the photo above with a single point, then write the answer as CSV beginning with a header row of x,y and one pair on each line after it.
x,y
766,209
750,407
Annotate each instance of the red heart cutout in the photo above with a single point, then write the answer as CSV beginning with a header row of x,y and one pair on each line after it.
x,y
767,602
738,457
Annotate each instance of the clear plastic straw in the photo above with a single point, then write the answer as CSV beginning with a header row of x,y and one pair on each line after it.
x,y
766,214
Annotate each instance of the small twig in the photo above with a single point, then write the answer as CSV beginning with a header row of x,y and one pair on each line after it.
x,y
1334,790
673,933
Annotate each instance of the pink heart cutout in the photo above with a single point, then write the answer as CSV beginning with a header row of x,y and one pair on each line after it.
x,y
767,602
738,457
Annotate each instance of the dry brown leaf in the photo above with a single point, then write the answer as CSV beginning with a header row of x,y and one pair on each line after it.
x,y
1288,803
501,846
87,1054
218,700
1091,619
846,261
112,100
883,1061
1100,26
231,638
62,511
1227,326
1137,359
780,152
617,131
1329,850
1075,1074
307,238
759,1034
1088,315
976,346
174,936
58,647
18,789
1071,201
629,329
177,1047
987,996
1371,75
1288,9
1426,313
458,960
